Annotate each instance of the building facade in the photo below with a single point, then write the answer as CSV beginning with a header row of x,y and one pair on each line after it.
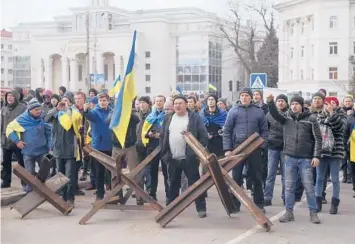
x,y
175,48
6,59
316,45
21,60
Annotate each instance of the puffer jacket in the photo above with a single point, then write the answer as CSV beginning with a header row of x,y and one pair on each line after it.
x,y
8,114
241,123
337,122
275,140
302,136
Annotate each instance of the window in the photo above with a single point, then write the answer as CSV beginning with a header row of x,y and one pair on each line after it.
x,y
147,89
2,71
2,83
333,94
302,51
354,47
9,71
291,53
80,72
9,83
333,48
147,66
333,22
333,73
301,74
2,46
9,59
9,47
147,54
147,78
2,58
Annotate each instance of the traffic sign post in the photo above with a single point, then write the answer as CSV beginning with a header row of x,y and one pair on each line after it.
x,y
258,81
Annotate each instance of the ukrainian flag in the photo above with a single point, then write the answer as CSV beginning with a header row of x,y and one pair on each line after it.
x,y
352,145
116,87
122,113
212,87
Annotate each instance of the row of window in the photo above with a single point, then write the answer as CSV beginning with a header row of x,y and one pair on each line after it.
x,y
9,71
9,59
333,74
8,47
147,76
3,83
333,49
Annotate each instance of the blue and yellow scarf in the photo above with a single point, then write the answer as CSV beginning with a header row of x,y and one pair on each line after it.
x,y
154,118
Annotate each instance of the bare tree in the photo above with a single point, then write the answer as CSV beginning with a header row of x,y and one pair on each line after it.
x,y
251,40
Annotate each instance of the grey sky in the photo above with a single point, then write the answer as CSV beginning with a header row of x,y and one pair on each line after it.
x,y
16,11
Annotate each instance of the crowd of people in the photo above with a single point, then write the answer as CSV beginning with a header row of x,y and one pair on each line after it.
x,y
306,142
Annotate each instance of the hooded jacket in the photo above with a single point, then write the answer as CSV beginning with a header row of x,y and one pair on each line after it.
x,y
302,136
241,123
33,131
275,140
8,114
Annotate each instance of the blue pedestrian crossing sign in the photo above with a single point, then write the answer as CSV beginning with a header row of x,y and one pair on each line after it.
x,y
258,81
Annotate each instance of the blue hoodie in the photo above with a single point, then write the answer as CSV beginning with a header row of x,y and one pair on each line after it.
x,y
100,132
36,135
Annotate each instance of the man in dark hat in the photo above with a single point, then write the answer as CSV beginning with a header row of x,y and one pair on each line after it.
x,y
302,149
276,156
243,120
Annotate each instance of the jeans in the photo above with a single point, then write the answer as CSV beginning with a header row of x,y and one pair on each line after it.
x,y
100,177
334,164
275,157
154,172
141,155
254,172
30,162
303,166
184,182
67,166
190,167
6,174
299,185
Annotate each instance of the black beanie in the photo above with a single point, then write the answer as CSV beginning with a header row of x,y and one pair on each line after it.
x,y
63,89
323,90
246,90
214,97
297,99
145,99
318,94
56,97
283,97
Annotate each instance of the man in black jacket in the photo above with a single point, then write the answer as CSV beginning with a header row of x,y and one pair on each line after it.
x,y
177,154
276,155
302,149
12,109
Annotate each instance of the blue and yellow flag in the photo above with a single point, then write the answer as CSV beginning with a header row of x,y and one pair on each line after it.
x,y
352,145
153,118
116,87
122,113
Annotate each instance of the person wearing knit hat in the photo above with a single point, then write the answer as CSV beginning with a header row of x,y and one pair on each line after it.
x,y
69,96
247,91
62,90
318,94
302,148
47,105
243,120
35,140
317,103
275,148
332,101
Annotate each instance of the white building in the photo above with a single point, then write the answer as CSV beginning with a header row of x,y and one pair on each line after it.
x,y
317,42
6,59
21,59
175,47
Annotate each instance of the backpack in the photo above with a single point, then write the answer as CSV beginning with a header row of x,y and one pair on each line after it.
x,y
327,140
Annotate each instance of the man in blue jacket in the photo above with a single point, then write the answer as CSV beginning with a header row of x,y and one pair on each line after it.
x,y
242,121
31,134
101,137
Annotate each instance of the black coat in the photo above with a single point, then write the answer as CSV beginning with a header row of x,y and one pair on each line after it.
x,y
275,139
195,126
302,136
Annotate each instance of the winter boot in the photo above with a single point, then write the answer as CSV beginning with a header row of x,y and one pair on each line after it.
x,y
334,207
287,217
319,204
314,217
345,175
